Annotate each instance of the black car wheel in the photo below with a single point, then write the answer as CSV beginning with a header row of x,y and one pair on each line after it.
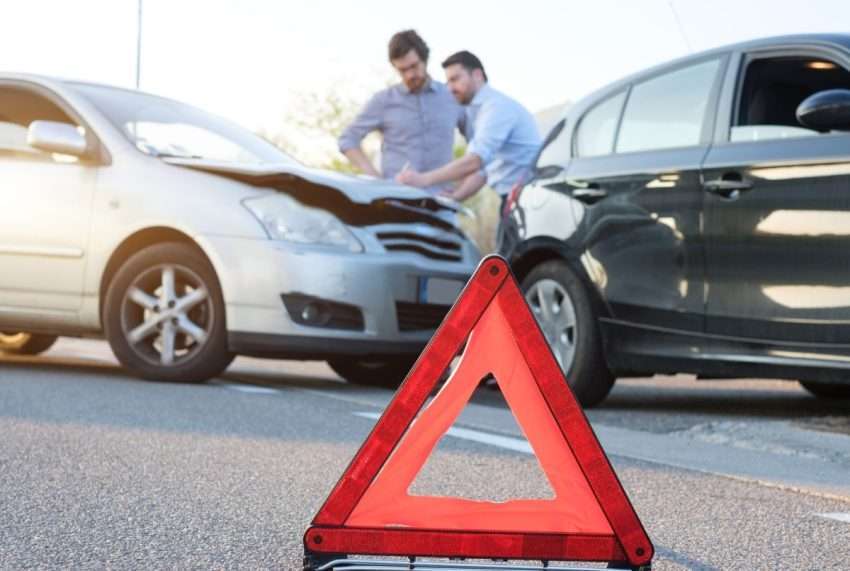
x,y
25,343
562,307
827,390
388,373
164,315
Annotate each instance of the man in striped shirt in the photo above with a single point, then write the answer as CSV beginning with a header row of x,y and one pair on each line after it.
x,y
416,117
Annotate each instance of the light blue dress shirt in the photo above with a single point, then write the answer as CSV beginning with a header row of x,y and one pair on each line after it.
x,y
418,128
504,135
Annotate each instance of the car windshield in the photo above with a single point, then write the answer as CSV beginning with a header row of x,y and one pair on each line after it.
x,y
165,128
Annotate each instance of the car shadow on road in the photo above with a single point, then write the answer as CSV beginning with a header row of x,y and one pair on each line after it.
x,y
63,367
721,401
698,398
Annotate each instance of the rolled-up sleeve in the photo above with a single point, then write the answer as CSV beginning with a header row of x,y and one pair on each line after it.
x,y
492,128
370,119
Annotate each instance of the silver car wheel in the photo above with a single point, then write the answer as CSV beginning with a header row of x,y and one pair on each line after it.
x,y
554,310
167,314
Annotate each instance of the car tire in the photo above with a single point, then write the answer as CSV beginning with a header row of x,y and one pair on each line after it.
x,y
827,390
164,315
387,373
561,304
25,343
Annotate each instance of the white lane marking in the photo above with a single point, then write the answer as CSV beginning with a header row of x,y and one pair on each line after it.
x,y
506,442
632,444
381,402
252,389
837,516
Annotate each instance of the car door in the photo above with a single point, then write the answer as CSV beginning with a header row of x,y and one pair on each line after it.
x,y
45,217
777,220
641,199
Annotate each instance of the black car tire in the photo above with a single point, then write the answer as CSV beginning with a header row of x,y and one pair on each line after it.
x,y
191,273
588,375
25,343
387,373
827,390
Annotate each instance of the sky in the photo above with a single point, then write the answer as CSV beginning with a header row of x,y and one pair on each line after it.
x,y
252,61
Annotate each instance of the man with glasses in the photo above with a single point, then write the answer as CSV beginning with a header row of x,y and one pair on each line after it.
x,y
416,117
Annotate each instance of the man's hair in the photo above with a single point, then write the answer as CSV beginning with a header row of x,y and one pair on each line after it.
x,y
406,40
468,60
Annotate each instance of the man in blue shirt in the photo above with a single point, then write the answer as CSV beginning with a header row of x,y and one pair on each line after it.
x,y
416,117
503,136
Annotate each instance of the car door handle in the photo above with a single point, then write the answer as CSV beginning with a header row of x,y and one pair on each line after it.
x,y
589,194
727,187
560,184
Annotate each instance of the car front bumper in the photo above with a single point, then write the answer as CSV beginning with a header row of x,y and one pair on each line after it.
x,y
373,302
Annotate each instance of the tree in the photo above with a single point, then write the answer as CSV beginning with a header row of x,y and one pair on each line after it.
x,y
317,120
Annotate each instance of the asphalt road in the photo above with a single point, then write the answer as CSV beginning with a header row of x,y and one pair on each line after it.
x,y
100,470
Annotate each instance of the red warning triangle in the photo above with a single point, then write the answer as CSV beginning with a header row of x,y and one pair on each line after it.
x,y
371,512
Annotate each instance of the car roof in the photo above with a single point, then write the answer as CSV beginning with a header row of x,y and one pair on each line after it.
x,y
49,80
836,40
841,41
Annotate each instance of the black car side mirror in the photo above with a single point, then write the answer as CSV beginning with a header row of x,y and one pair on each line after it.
x,y
826,110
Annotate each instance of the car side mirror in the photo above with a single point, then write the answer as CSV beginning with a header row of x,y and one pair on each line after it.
x,y
55,137
826,110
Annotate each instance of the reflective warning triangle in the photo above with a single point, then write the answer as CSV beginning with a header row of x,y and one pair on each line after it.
x,y
370,510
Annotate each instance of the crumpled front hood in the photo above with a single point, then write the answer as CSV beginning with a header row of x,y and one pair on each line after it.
x,y
361,189
357,200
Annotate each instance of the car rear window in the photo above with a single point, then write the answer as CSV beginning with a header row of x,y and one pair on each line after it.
x,y
668,110
598,127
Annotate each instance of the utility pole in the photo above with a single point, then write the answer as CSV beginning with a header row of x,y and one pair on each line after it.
x,y
139,46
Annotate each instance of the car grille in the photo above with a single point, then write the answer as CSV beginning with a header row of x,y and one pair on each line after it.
x,y
419,316
445,248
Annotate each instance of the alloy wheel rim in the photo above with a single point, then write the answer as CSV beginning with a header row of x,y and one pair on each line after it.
x,y
555,313
167,315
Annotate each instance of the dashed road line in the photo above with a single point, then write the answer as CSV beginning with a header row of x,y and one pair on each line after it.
x,y
251,389
506,442
843,517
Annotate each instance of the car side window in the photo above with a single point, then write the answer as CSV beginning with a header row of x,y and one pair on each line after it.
x,y
595,135
669,110
772,89
18,109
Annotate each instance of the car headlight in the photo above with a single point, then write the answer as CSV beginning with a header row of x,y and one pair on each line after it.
x,y
284,218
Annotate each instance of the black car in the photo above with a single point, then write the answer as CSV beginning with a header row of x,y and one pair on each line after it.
x,y
695,218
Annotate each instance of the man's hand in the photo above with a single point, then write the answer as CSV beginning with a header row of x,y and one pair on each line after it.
x,y
410,177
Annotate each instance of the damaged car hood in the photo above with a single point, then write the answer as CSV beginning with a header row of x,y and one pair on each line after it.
x,y
357,200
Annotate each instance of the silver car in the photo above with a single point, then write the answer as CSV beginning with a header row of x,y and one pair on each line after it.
x,y
185,240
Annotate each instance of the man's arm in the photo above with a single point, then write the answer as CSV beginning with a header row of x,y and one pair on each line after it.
x,y
455,170
468,186
359,159
369,119
492,129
